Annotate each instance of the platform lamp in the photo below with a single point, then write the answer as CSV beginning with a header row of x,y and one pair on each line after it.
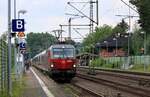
x,y
144,38
21,12
99,47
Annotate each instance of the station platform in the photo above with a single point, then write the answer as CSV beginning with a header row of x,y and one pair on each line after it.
x,y
34,86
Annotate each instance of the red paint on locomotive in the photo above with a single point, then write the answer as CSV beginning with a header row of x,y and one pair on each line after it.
x,y
63,64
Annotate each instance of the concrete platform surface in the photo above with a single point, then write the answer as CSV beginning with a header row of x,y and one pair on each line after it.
x,y
34,87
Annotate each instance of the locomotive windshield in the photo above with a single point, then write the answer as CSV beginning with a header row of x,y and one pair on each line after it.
x,y
63,52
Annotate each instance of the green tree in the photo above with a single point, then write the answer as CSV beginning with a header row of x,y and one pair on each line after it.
x,y
37,42
137,42
121,27
100,34
143,7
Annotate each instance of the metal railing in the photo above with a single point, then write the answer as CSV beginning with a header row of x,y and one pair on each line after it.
x,y
3,66
134,60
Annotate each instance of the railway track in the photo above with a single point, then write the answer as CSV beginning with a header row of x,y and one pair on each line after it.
x,y
76,90
128,88
90,91
139,78
123,87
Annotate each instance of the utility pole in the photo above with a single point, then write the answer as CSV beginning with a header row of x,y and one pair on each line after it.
x,y
69,29
9,50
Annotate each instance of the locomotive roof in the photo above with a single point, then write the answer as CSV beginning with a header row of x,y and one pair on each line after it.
x,y
55,46
62,46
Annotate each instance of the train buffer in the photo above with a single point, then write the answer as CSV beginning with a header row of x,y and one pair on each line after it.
x,y
34,86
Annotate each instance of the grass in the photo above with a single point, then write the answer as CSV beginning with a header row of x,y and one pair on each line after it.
x,y
116,64
140,68
18,87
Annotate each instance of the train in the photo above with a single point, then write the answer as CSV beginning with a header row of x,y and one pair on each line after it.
x,y
58,60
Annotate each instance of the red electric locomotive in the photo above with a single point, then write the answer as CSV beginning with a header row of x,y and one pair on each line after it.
x,y
59,60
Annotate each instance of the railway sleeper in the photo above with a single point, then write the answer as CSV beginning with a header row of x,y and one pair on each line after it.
x,y
145,83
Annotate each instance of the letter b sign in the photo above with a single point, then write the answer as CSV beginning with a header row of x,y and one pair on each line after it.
x,y
18,25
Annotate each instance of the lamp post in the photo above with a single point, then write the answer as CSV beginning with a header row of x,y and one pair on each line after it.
x,y
144,42
20,69
99,47
106,42
21,12
115,39
144,48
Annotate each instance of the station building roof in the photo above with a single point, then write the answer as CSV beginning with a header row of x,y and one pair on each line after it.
x,y
110,41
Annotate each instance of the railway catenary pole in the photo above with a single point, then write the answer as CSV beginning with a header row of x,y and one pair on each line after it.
x,y
61,32
9,50
129,31
91,15
69,28
97,13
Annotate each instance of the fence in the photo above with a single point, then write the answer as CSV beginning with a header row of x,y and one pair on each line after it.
x,y
3,66
134,60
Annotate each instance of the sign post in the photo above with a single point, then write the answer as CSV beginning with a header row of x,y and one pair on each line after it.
x,y
22,46
18,26
9,85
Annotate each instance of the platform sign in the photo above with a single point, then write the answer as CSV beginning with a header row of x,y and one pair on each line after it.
x,y
18,25
22,45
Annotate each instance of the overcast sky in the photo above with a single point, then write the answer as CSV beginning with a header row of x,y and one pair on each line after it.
x,y
46,15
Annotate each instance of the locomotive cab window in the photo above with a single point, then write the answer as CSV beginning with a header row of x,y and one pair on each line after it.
x,y
68,52
63,52
58,53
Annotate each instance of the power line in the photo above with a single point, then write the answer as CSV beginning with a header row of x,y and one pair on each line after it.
x,y
129,6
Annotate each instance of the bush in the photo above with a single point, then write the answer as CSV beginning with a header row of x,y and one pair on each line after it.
x,y
99,62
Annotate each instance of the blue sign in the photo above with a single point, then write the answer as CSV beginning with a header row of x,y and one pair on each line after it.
x,y
18,25
22,45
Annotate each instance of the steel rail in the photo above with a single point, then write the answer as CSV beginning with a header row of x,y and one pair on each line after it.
x,y
123,87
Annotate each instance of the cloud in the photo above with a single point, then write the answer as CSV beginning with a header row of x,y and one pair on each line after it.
x,y
44,24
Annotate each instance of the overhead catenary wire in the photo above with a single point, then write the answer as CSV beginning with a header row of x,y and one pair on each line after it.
x,y
81,12
129,6
78,32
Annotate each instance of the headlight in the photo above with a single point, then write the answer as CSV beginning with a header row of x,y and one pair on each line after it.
x,y
74,65
52,65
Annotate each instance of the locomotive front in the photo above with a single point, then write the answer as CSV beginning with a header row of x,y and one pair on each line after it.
x,y
62,61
